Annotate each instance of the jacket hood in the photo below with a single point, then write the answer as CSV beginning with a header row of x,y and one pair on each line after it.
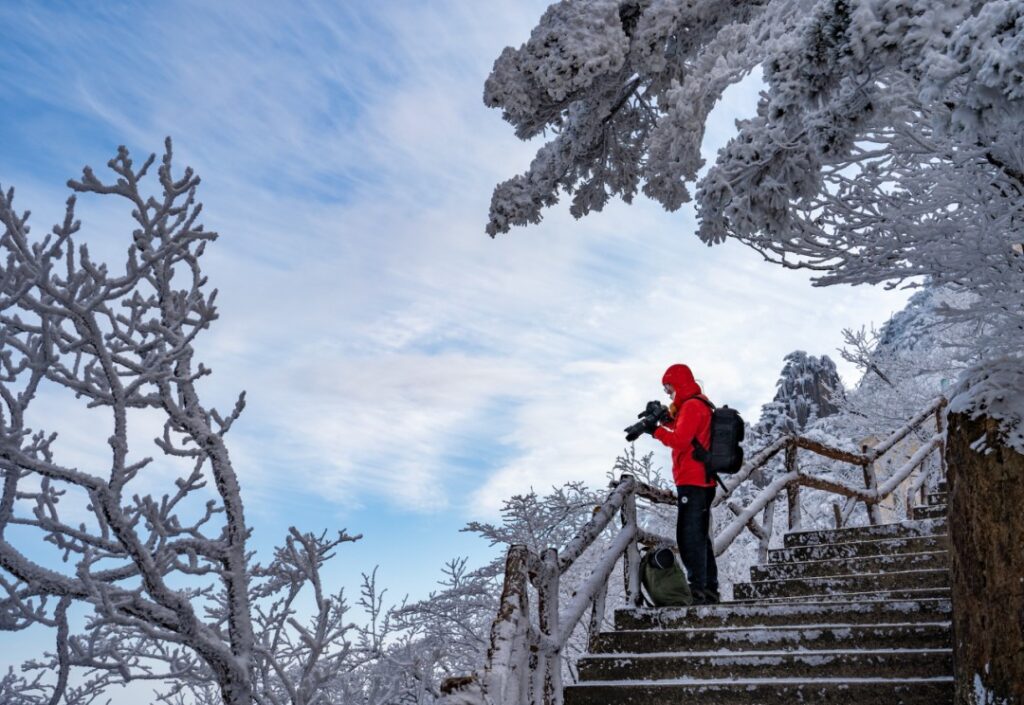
x,y
682,381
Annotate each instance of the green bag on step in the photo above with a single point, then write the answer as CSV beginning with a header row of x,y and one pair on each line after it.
x,y
663,581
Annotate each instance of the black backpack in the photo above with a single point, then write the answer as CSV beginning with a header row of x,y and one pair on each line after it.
x,y
725,456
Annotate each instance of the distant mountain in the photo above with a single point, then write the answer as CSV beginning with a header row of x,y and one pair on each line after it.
x,y
919,346
808,389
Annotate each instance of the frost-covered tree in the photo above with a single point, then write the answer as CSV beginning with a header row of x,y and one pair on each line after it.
x,y
540,521
454,620
140,584
452,623
905,365
885,148
915,356
808,388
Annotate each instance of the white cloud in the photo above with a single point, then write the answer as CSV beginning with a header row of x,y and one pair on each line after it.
x,y
348,162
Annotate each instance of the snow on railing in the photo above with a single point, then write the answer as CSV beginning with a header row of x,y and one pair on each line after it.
x,y
523,663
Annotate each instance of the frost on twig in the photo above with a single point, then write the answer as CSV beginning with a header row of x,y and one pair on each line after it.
x,y
162,587
886,147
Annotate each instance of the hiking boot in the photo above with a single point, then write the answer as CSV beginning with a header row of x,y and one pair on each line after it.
x,y
705,597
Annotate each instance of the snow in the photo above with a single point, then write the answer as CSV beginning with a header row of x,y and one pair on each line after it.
x,y
763,634
767,681
984,696
885,149
666,615
726,654
996,390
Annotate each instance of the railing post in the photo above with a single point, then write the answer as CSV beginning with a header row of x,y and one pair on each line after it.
x,y
792,489
793,505
767,523
871,483
596,617
940,428
837,514
916,486
506,677
550,655
631,559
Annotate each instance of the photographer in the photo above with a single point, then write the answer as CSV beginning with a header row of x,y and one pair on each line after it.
x,y
690,420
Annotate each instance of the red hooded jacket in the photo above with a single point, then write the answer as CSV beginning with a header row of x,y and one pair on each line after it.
x,y
692,420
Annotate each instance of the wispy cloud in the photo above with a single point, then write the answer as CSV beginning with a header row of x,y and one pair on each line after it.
x,y
391,351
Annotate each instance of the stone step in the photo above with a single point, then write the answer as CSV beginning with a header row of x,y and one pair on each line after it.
x,y
857,663
903,529
936,498
730,614
824,585
851,566
807,691
855,549
930,511
905,635
865,596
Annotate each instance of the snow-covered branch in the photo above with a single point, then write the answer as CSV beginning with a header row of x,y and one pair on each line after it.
x,y
139,586
886,148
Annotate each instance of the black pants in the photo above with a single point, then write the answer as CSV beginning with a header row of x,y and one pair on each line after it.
x,y
692,535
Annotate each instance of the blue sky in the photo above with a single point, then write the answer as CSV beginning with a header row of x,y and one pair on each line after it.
x,y
404,372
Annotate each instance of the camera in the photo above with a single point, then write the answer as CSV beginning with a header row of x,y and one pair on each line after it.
x,y
654,413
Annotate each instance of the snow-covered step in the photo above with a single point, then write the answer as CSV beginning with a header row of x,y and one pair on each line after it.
x,y
850,566
845,663
930,511
859,615
906,635
765,691
868,595
790,613
902,529
889,580
853,549
936,498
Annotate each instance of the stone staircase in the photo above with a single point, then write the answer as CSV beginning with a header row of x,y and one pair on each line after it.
x,y
855,616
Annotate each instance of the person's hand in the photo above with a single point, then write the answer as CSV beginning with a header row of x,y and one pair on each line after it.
x,y
650,417
653,409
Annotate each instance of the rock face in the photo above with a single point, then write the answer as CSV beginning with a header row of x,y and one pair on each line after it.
x,y
986,528
807,390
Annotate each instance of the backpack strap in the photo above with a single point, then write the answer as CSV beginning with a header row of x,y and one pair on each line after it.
x,y
700,453
701,398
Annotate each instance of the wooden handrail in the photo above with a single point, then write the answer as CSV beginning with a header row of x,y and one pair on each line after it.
x,y
599,576
934,407
828,451
756,461
593,528
729,533
515,645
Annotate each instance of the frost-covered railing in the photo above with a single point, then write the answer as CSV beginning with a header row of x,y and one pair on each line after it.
x,y
523,663
790,483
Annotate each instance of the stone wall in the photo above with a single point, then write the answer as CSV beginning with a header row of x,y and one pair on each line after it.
x,y
986,527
